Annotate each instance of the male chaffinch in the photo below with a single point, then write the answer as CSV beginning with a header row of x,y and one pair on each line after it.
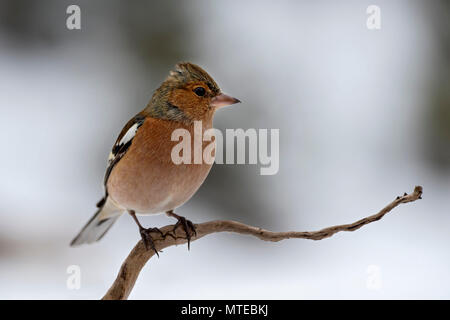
x,y
141,175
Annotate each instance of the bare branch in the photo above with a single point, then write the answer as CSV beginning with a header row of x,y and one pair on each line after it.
x,y
138,257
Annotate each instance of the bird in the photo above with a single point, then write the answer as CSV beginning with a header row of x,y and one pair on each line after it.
x,y
141,176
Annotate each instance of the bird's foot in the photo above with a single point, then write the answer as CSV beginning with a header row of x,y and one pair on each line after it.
x,y
147,239
187,225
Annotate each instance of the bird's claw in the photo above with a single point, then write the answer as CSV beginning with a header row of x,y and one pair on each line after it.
x,y
147,238
188,227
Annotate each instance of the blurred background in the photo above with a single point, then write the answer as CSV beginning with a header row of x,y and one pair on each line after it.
x,y
364,115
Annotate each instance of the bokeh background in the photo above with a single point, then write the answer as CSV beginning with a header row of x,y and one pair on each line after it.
x,y
364,115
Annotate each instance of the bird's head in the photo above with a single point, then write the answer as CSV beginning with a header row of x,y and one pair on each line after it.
x,y
189,93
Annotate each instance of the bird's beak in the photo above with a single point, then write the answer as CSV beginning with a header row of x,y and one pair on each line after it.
x,y
223,100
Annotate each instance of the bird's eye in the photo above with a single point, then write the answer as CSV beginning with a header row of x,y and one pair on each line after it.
x,y
200,91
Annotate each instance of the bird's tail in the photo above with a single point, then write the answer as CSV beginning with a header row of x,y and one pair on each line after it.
x,y
99,224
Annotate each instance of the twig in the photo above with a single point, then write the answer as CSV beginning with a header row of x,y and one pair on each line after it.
x,y
138,257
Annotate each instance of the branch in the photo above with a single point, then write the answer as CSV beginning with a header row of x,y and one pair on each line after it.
x,y
138,257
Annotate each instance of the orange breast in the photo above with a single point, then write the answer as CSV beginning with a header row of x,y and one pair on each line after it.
x,y
146,179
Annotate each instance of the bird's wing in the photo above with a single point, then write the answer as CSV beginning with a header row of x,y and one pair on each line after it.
x,y
123,142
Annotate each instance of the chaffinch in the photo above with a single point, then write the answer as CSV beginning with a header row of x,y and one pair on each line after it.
x,y
141,175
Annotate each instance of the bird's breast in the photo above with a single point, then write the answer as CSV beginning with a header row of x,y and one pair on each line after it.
x,y
147,179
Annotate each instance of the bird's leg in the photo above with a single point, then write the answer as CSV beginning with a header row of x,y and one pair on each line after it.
x,y
187,226
145,233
